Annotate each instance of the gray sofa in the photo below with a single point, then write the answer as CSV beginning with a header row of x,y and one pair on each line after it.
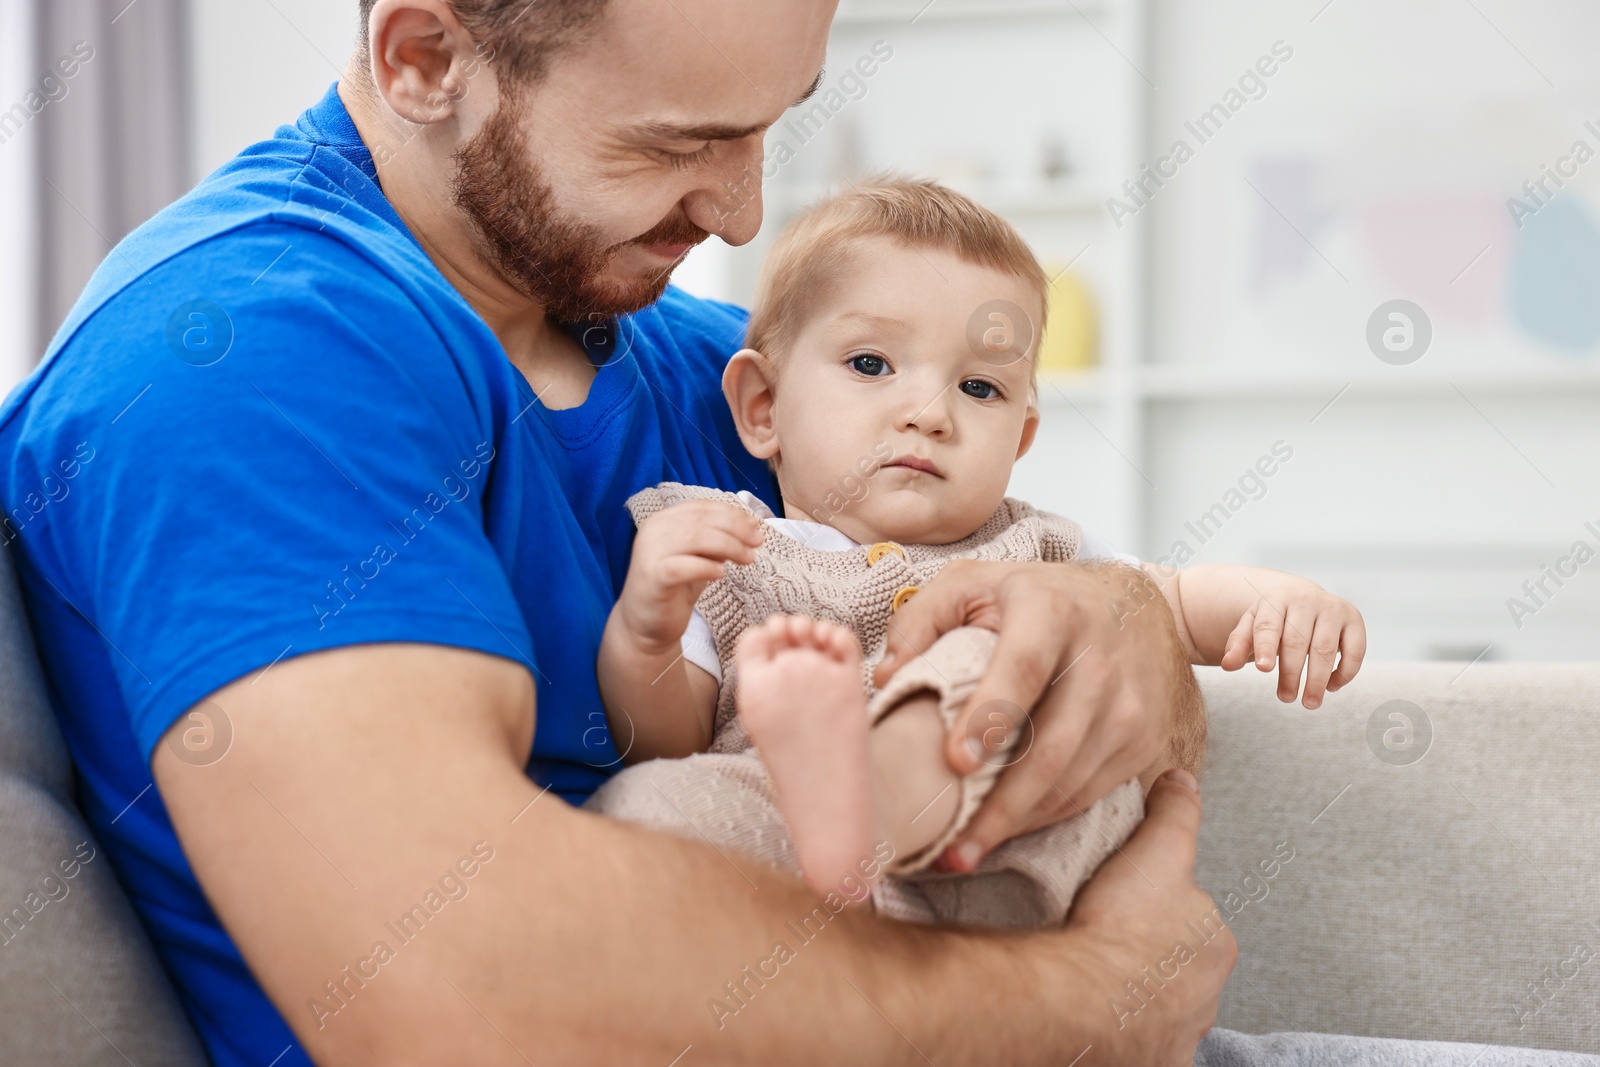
x,y
1423,899
1445,881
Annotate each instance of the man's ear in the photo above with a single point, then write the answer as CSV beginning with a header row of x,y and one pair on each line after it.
x,y
749,384
1030,427
422,59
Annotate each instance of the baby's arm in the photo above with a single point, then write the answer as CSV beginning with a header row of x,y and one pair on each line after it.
x,y
658,704
1228,615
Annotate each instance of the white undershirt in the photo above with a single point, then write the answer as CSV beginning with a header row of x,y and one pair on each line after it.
x,y
699,647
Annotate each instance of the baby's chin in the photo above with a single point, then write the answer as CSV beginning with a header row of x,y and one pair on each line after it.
x,y
906,522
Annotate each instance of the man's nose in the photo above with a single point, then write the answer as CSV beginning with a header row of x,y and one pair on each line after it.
x,y
729,205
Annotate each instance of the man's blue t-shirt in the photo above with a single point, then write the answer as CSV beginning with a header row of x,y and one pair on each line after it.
x,y
271,426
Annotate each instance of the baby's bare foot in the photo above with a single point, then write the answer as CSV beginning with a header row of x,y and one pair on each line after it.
x,y
801,700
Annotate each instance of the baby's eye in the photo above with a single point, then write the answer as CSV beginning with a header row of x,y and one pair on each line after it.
x,y
979,389
871,366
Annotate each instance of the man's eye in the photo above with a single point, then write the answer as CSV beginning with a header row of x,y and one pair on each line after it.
x,y
870,366
680,160
979,389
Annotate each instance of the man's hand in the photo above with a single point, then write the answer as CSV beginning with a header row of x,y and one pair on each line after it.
x,y
678,553
1136,912
1107,689
1300,627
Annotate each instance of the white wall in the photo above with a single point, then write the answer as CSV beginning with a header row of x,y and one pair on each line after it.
x,y
18,240
258,64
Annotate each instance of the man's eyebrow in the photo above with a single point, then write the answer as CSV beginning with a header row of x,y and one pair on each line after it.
x,y
698,131
717,131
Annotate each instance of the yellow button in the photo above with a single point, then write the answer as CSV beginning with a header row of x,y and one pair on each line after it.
x,y
881,549
903,597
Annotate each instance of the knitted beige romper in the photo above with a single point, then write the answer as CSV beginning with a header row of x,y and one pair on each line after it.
x,y
724,797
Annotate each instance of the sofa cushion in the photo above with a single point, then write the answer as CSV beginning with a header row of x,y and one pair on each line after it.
x,y
78,977
1444,883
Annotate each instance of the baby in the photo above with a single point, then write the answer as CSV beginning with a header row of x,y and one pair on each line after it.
x,y
739,632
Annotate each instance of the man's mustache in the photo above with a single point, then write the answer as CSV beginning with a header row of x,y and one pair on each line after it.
x,y
673,231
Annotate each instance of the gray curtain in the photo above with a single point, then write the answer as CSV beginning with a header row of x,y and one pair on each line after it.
x,y
113,150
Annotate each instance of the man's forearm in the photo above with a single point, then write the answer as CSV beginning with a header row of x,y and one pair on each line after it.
x,y
750,967
320,840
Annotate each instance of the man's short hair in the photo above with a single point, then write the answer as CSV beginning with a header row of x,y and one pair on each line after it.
x,y
817,245
517,37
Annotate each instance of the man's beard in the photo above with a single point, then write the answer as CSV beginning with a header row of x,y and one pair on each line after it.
x,y
548,256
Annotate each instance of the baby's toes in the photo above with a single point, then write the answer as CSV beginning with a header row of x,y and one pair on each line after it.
x,y
763,641
838,641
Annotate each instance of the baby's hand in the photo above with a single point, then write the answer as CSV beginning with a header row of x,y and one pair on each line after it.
x,y
1292,618
678,553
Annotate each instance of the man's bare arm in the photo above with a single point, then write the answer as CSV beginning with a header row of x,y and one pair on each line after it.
x,y
358,777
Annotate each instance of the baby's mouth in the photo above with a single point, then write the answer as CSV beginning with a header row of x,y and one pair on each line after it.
x,y
916,463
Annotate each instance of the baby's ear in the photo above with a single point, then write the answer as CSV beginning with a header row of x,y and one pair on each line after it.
x,y
749,384
1030,427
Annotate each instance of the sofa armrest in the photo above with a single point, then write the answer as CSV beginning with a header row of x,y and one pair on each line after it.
x,y
79,979
1444,881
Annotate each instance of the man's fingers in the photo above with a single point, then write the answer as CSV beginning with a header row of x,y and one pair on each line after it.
x,y
1171,823
1047,745
959,596
1006,810
1352,650
1160,853
1121,766
1023,666
1113,750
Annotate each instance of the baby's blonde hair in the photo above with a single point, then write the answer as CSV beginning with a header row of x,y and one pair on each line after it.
x,y
921,214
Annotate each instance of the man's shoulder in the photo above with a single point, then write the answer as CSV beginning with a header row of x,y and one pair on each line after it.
x,y
302,196
268,259
273,290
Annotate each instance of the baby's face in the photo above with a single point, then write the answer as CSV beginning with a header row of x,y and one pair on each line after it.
x,y
882,378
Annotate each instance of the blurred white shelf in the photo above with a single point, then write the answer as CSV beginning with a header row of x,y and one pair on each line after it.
x,y
1233,383
871,12
1227,383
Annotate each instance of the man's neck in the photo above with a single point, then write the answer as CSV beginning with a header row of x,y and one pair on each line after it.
x,y
415,179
